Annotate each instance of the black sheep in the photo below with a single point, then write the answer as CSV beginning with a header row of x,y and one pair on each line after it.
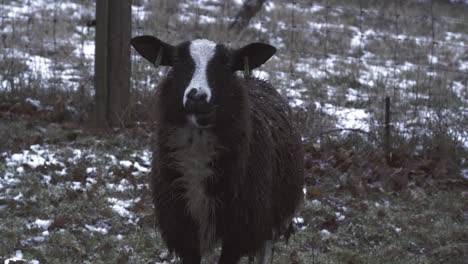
x,y
228,162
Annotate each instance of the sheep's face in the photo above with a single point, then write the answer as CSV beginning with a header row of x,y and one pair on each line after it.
x,y
202,72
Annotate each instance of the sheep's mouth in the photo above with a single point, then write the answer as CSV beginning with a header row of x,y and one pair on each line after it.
x,y
202,119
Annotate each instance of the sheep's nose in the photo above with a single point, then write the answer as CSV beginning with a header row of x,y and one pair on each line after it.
x,y
196,96
196,102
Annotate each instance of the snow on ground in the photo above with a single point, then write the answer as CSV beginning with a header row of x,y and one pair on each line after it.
x,y
313,68
348,118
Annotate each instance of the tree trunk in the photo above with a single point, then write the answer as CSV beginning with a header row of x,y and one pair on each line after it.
x,y
112,61
249,9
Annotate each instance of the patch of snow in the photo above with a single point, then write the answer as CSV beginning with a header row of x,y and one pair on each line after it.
x,y
432,59
18,197
310,70
464,173
315,8
36,103
39,238
463,66
353,95
75,185
125,163
32,160
319,26
121,210
361,39
205,5
87,50
315,205
348,118
77,154
270,6
298,220
450,36
207,19
121,187
261,75
184,17
111,157
325,234
120,207
101,230
139,13
140,168
259,26
18,257
91,170
44,224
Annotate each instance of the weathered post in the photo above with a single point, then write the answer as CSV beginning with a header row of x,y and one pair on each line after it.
x,y
387,147
112,61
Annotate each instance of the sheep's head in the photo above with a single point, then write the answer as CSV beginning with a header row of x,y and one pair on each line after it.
x,y
202,72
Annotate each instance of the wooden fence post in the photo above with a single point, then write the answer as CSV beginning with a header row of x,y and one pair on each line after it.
x,y
387,147
112,61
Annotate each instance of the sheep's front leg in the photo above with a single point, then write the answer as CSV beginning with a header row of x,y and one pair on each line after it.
x,y
191,258
229,254
263,255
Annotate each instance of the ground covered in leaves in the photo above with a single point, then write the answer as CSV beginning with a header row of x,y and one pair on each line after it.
x,y
72,195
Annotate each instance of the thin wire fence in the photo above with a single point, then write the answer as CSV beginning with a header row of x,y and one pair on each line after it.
x,y
339,57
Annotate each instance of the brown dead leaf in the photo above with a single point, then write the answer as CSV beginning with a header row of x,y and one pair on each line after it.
x,y
74,194
148,220
399,180
72,136
140,205
16,108
59,222
394,252
294,257
330,223
5,106
315,193
35,140
105,248
123,258
308,162
55,179
363,207
381,213
79,174
28,108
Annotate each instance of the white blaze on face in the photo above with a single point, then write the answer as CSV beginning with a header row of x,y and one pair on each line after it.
x,y
202,51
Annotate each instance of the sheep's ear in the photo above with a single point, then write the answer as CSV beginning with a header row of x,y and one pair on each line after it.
x,y
256,54
150,48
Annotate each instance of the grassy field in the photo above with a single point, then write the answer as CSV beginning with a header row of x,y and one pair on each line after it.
x,y
83,197
69,194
